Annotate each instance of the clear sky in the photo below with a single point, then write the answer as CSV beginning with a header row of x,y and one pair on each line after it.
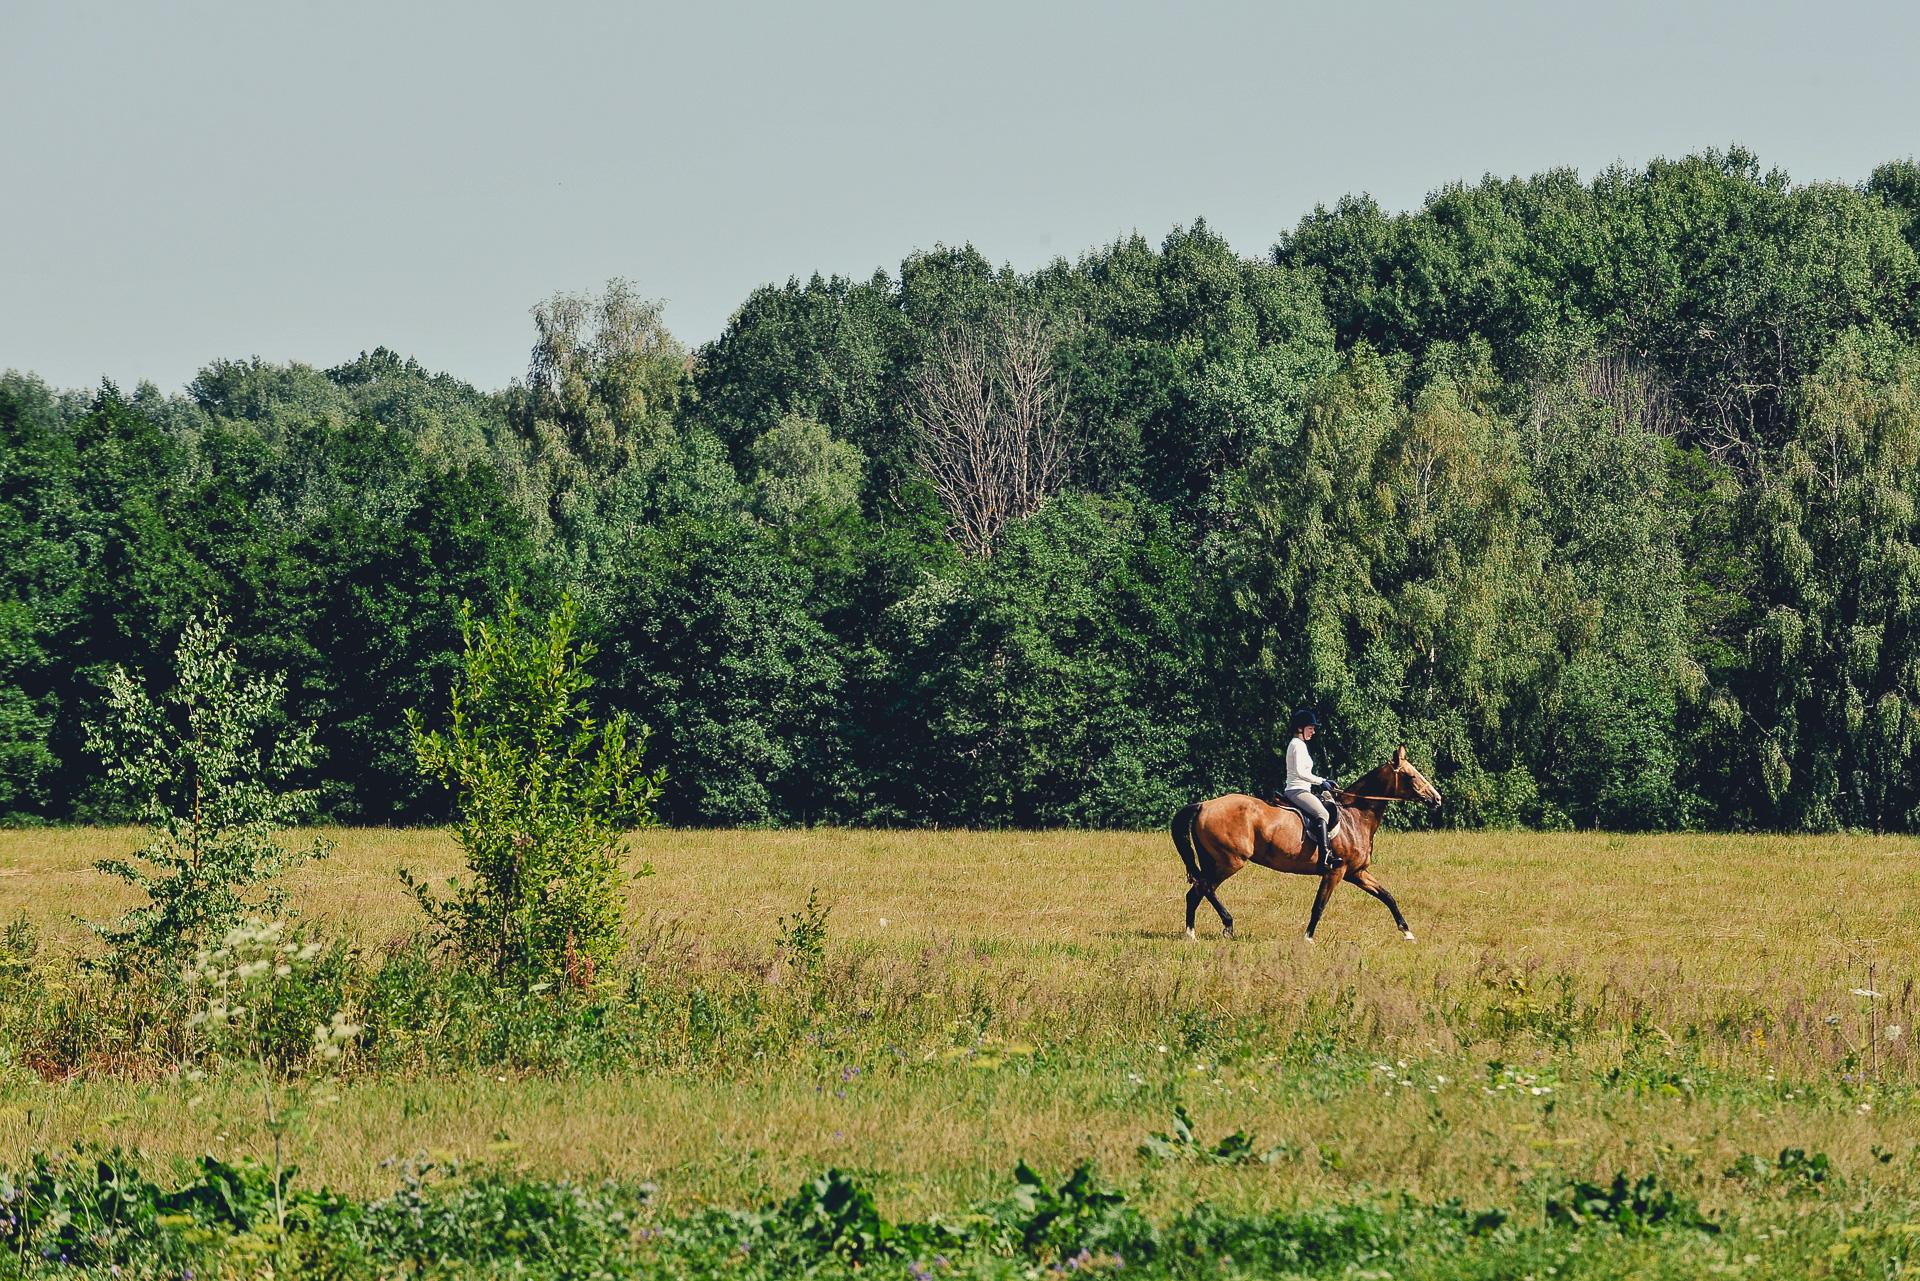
x,y
185,181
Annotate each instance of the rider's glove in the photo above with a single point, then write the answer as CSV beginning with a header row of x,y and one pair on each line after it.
x,y
1329,785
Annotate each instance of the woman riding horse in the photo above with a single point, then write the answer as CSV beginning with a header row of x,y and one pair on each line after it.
x,y
1301,782
1217,838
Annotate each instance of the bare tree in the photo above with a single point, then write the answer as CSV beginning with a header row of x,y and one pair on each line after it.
x,y
1636,393
992,416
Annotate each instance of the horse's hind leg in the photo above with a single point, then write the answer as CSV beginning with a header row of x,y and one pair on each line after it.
x,y
1194,896
1327,882
1213,898
1364,879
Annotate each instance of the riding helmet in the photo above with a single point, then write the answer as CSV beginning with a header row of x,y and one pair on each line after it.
x,y
1304,717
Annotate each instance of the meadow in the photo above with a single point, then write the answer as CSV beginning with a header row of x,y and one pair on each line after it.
x,y
1727,1014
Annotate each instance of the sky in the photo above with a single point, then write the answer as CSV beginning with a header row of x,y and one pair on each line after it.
x,y
190,181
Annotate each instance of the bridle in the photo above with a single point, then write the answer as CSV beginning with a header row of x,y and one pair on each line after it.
x,y
1344,796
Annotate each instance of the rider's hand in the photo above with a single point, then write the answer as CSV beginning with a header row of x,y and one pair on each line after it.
x,y
1329,785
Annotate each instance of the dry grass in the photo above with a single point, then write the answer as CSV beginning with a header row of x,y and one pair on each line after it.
x,y
1073,939
1750,911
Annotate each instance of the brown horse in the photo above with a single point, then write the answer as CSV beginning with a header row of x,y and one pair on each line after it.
x,y
1217,838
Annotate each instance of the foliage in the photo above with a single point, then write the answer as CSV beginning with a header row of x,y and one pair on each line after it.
x,y
798,469
1792,1169
209,768
102,1213
1056,683
802,940
1638,1207
544,794
709,635
1597,493
1179,1144
237,983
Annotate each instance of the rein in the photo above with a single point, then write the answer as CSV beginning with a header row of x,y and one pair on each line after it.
x,y
1343,797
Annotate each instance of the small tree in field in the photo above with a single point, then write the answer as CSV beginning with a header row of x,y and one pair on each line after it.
x,y
211,770
543,796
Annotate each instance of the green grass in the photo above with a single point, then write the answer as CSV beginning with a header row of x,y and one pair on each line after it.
x,y
1578,1005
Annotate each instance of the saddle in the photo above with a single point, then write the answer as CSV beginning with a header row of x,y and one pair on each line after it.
x,y
1306,820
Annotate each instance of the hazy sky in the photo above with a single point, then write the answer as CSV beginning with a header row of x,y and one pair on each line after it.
x,y
188,181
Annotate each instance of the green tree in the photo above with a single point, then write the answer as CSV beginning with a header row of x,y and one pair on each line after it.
x,y
1823,713
831,351
1058,682
1184,362
798,468
604,387
367,612
1391,574
39,595
212,774
1898,185
543,793
709,635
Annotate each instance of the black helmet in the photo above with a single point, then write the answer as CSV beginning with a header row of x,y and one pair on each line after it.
x,y
1304,717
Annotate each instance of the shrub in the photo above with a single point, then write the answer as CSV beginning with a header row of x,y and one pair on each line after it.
x,y
210,775
1634,1208
802,939
1179,1144
243,984
543,795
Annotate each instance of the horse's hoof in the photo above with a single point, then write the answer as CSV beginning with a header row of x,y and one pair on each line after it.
x,y
1229,931
1189,936
1309,940
1407,935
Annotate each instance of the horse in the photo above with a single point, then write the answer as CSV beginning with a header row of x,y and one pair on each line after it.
x,y
1217,838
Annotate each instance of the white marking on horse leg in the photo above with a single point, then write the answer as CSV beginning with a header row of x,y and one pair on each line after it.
x,y
1189,934
1309,938
1407,935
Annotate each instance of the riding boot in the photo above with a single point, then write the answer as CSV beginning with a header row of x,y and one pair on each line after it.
x,y
1328,859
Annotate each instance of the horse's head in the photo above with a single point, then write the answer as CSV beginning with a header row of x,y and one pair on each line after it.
x,y
1400,780
1406,776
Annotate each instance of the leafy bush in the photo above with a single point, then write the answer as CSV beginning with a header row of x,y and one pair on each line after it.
x,y
544,794
1179,1144
101,1214
1635,1208
237,983
1793,1169
802,939
1079,1214
560,1227
209,770
1323,1237
836,1216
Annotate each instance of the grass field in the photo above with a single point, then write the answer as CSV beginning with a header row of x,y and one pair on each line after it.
x,y
1577,1005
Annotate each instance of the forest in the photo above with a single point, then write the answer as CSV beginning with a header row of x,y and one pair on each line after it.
x,y
1602,497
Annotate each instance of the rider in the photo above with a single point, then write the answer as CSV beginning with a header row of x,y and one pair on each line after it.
x,y
1301,780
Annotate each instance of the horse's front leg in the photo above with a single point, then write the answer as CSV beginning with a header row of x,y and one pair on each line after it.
x,y
1364,879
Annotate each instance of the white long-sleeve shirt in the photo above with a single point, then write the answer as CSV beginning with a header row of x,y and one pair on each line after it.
x,y
1300,775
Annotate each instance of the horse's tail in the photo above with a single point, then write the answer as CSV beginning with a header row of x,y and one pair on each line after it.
x,y
1183,840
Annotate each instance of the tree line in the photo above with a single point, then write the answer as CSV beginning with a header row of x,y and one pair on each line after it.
x,y
1601,496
